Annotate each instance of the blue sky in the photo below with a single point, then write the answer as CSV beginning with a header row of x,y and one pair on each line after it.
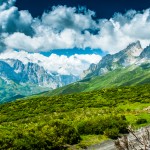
x,y
44,26
70,52
67,36
103,8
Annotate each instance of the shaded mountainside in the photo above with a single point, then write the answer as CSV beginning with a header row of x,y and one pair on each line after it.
x,y
132,75
9,90
81,119
17,78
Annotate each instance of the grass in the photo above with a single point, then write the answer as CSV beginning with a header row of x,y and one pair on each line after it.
x,y
88,140
95,112
121,77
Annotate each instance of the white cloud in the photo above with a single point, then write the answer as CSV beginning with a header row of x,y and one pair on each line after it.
x,y
66,27
5,4
12,20
121,30
66,39
74,64
21,41
62,17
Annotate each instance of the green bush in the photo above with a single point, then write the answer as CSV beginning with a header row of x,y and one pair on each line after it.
x,y
49,136
112,133
141,121
100,124
33,123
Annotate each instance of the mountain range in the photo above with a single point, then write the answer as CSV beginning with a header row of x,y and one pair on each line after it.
x,y
130,66
132,55
21,79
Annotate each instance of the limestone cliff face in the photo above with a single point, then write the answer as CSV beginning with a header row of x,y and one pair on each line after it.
x,y
32,73
133,54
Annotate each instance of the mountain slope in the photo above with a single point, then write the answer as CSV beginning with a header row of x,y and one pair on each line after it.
x,y
124,58
127,67
145,53
131,75
17,78
10,89
54,122
127,57
130,66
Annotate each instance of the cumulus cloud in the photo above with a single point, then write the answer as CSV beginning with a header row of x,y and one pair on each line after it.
x,y
121,30
5,4
62,17
12,20
45,42
64,65
68,27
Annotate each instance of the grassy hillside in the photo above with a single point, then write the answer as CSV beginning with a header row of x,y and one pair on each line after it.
x,y
74,120
120,77
10,90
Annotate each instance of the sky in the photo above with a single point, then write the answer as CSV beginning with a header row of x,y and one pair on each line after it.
x,y
71,34
103,8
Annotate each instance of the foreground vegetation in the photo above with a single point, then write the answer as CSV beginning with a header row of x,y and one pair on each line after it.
x,y
73,121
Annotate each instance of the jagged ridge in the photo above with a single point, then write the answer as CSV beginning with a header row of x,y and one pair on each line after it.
x,y
134,54
27,79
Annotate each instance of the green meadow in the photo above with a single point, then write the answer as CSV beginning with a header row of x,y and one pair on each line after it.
x,y
73,121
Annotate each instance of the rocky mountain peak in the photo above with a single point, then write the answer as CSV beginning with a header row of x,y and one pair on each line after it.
x,y
146,53
134,49
91,69
134,44
32,73
127,57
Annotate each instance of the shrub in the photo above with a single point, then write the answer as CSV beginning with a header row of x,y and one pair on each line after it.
x,y
100,124
141,121
69,134
49,136
112,133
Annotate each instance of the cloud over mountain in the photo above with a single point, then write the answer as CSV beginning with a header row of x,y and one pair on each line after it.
x,y
63,65
68,27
